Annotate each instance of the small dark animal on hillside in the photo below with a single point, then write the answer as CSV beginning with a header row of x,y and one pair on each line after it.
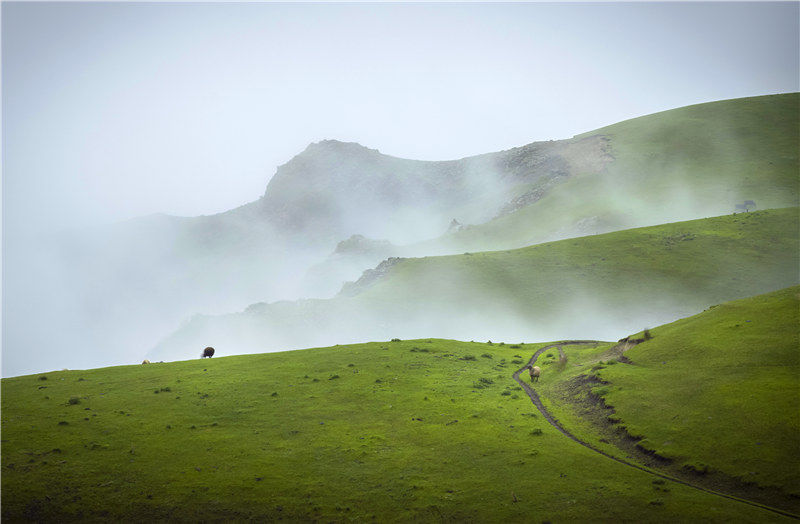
x,y
207,352
535,371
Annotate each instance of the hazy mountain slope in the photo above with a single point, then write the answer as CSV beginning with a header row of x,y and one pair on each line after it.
x,y
424,430
126,286
334,189
593,287
685,163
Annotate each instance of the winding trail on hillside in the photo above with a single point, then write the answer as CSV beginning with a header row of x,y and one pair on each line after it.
x,y
556,424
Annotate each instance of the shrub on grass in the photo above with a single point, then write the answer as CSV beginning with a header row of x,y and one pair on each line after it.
x,y
468,357
482,382
332,377
505,393
73,400
515,346
395,340
536,432
486,355
516,361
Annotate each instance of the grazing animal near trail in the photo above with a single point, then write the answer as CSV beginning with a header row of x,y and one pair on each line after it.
x,y
535,371
145,361
207,352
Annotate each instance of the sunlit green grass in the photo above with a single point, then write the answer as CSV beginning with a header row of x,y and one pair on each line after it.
x,y
396,431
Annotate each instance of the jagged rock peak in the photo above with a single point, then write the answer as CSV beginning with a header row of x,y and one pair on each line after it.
x,y
369,277
330,145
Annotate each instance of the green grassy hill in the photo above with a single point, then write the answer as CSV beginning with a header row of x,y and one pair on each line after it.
x,y
680,164
717,395
599,287
429,430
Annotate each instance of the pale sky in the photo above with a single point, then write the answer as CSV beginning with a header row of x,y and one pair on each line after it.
x,y
116,110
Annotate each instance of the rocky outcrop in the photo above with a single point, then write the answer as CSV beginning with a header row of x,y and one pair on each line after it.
x,y
361,245
368,278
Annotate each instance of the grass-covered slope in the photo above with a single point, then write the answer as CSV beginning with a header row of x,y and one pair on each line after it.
x,y
426,430
721,388
716,396
599,287
680,164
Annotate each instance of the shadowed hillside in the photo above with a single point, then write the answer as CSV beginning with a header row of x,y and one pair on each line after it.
x,y
600,287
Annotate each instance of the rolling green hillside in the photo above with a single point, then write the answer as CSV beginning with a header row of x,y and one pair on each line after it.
x,y
429,430
599,287
717,395
680,164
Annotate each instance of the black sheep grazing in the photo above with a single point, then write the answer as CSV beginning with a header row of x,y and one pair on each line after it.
x,y
208,352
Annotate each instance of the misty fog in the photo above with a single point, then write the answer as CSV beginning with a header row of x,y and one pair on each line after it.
x,y
177,176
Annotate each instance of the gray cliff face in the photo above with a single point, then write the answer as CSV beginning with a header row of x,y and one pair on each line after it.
x,y
335,189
